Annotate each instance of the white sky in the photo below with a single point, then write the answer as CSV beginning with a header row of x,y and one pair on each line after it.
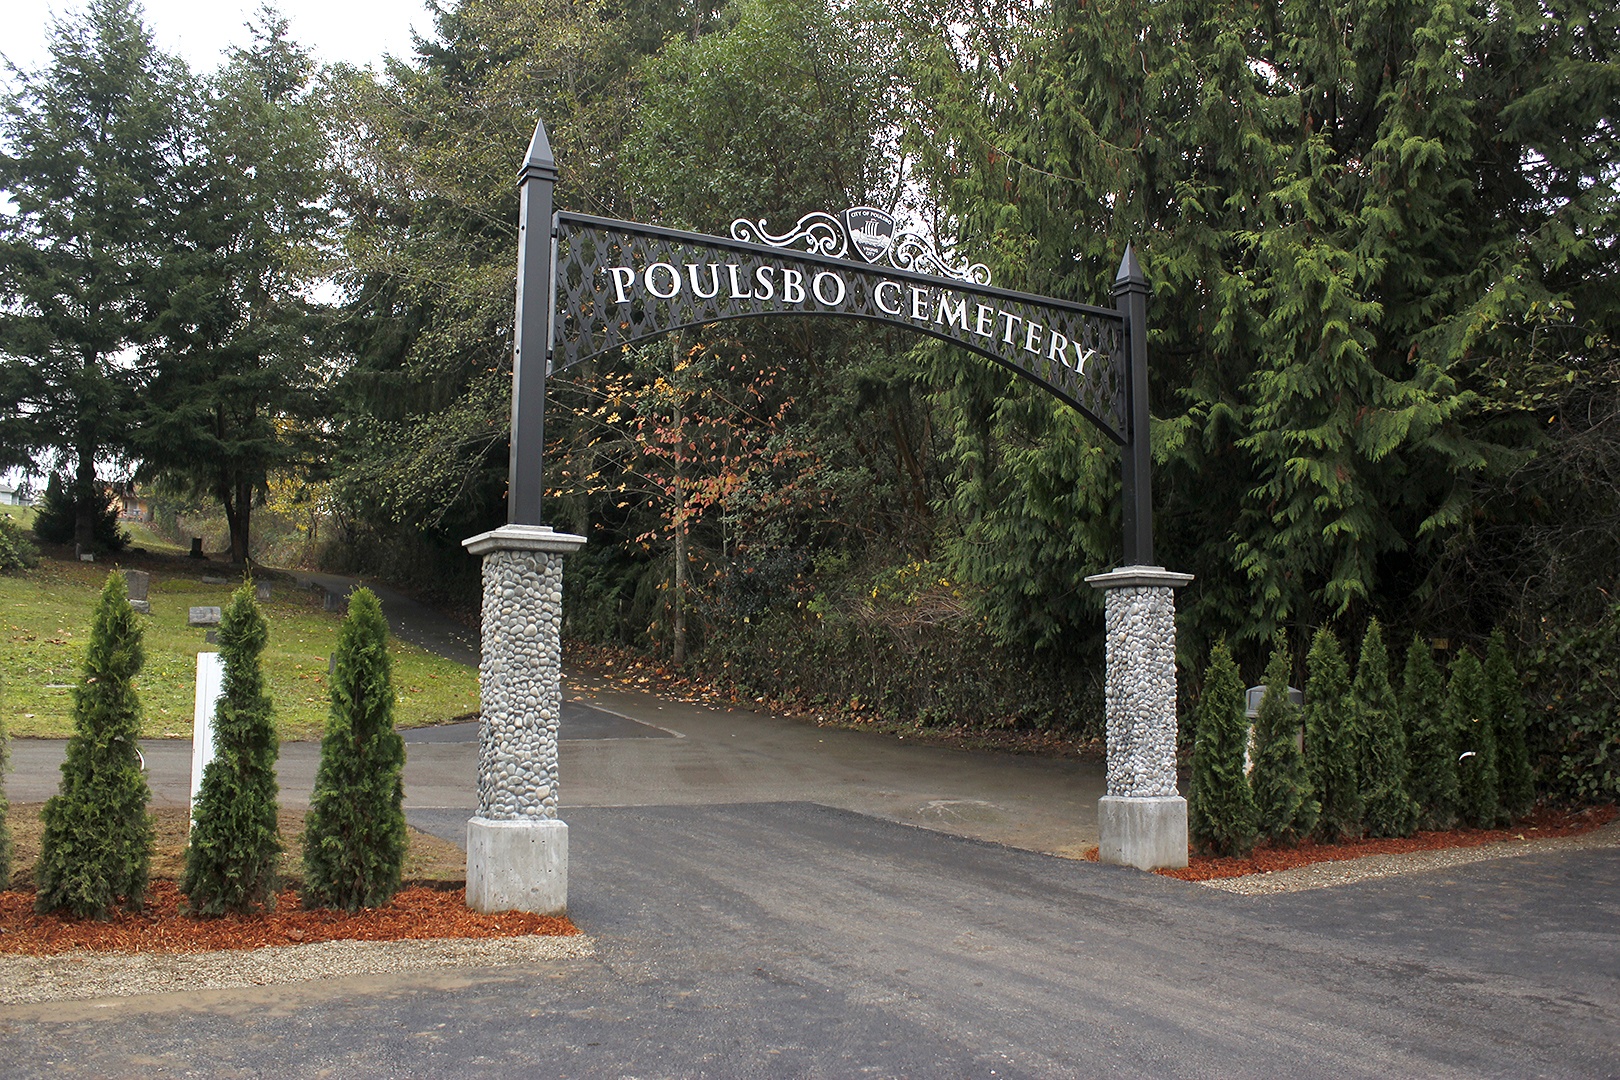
x,y
357,31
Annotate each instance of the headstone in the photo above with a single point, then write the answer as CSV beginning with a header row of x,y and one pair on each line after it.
x,y
204,616
210,687
215,579
212,637
262,591
142,606
333,602
88,556
196,551
331,664
1257,693
139,582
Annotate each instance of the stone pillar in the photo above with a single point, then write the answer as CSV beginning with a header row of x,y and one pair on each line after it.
x,y
517,847
1142,821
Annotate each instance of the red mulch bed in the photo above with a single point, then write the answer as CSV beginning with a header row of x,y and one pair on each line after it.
x,y
415,913
1543,824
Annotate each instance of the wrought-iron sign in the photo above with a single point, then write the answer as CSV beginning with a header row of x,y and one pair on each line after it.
x,y
608,284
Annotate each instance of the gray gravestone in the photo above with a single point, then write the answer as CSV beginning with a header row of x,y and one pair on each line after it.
x,y
204,616
262,591
139,582
215,579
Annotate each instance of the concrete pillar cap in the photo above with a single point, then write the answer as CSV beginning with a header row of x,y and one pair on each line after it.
x,y
523,538
1127,576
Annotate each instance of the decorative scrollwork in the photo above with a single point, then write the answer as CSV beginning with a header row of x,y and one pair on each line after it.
x,y
911,251
821,234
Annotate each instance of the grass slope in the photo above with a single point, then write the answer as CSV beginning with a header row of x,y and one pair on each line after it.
x,y
45,623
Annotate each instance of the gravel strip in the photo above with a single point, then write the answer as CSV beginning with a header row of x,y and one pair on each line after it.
x,y
1328,874
81,975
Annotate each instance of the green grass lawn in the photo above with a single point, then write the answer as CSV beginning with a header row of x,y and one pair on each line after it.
x,y
22,515
45,622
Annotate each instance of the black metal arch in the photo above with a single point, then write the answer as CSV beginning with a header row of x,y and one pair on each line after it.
x,y
589,285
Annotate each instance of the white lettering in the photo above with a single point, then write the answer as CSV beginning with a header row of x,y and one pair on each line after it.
x,y
1007,320
737,291
1032,331
828,275
877,297
1054,350
792,286
951,316
674,280
919,302
1081,355
767,287
623,278
714,281
984,320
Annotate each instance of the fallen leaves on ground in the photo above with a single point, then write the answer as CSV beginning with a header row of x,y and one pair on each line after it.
x,y
415,913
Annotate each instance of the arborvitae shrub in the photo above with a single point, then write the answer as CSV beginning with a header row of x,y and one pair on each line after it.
x,y
1220,807
235,844
5,825
1282,786
16,553
1331,743
1430,743
1387,808
1516,784
354,835
97,841
1468,711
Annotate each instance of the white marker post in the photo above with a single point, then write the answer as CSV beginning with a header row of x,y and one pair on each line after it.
x,y
210,688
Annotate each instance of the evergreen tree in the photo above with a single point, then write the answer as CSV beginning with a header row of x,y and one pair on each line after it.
x,y
1220,806
56,518
5,824
1430,741
1332,745
1282,785
97,841
88,152
354,835
231,861
1517,787
1468,714
1388,809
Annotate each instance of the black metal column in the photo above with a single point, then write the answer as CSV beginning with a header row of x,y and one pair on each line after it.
x,y
1136,458
532,332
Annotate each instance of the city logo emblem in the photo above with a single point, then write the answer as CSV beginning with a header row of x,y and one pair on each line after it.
x,y
871,231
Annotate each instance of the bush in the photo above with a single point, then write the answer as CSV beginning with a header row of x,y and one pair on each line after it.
x,y
1468,713
231,860
1575,731
1282,786
1387,807
1516,783
56,518
1221,815
1332,745
354,835
16,553
97,842
1431,743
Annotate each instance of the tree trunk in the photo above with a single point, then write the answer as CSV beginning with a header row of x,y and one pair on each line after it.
x,y
241,521
678,648
86,502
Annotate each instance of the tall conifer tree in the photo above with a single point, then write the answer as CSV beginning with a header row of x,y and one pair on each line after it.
x,y
1468,714
354,834
1388,809
1517,786
235,843
1282,785
1220,806
1332,745
1431,744
97,844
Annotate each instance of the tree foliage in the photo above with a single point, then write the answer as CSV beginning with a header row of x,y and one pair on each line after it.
x,y
1282,783
235,842
97,843
1431,742
1516,782
1468,714
354,834
1221,813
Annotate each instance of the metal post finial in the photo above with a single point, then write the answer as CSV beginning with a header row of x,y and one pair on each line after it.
x,y
538,161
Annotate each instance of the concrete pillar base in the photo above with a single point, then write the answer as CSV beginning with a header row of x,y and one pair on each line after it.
x,y
1144,832
517,866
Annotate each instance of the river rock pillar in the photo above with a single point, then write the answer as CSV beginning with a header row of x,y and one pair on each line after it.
x,y
1142,820
517,846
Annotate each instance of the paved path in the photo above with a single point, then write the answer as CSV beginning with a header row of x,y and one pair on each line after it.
x,y
764,906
